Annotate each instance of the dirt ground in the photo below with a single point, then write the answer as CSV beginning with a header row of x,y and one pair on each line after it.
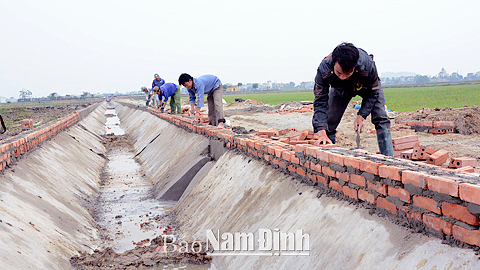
x,y
465,142
14,114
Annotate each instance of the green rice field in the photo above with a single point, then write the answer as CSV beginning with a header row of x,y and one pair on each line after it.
x,y
397,99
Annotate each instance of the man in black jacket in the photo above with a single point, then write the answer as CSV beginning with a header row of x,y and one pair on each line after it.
x,y
349,71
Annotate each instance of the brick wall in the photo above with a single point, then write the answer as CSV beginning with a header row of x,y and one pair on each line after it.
x,y
446,202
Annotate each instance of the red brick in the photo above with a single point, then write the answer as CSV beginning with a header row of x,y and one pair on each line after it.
x,y
345,176
267,158
275,161
405,146
443,185
400,193
316,167
287,155
301,171
469,193
462,162
306,164
466,169
419,153
471,237
335,185
378,187
438,158
292,168
369,166
271,149
405,139
279,151
366,196
390,172
250,143
350,192
300,148
383,203
322,155
353,162
358,180
459,212
336,158
415,178
427,203
438,224
322,180
312,176
311,150
412,215
326,170
294,159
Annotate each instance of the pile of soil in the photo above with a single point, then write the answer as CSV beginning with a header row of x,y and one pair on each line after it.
x,y
142,257
117,141
466,119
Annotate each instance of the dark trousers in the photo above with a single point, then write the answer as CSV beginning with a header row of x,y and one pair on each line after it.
x,y
337,104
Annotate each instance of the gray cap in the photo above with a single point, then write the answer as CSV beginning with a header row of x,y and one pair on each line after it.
x,y
156,76
143,88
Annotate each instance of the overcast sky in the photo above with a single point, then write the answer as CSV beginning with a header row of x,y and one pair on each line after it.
x,y
70,47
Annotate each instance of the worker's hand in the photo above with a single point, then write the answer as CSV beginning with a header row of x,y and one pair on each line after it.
x,y
358,124
322,138
197,114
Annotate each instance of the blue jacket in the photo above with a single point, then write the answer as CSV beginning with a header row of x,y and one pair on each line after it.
x,y
158,83
167,90
364,82
203,85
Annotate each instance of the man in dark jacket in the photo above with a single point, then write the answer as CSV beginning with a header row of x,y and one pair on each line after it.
x,y
349,71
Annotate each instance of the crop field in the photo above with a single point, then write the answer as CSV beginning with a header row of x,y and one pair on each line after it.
x,y
397,99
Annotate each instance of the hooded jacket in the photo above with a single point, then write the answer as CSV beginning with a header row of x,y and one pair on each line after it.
x,y
363,82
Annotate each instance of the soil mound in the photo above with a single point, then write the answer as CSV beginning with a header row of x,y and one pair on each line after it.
x,y
466,119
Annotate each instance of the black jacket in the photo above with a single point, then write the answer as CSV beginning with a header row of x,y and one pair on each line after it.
x,y
364,82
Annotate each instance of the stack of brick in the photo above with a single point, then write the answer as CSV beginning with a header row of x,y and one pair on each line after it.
x,y
27,124
435,127
301,109
445,202
463,164
403,146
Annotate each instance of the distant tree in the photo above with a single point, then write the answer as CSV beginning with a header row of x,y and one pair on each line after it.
x,y
421,79
455,77
85,95
225,87
255,86
239,84
53,95
25,94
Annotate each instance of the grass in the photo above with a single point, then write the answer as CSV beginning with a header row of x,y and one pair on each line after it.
x,y
397,99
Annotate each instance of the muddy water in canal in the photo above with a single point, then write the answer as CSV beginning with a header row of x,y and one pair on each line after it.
x,y
128,216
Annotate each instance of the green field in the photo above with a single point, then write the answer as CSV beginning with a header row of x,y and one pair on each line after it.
x,y
397,99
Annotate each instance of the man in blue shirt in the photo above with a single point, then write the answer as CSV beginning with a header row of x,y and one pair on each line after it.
x,y
157,82
173,91
206,84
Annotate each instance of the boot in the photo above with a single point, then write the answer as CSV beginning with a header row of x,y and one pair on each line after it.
x,y
384,138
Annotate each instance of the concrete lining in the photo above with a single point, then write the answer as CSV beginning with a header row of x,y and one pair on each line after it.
x,y
169,154
240,194
43,198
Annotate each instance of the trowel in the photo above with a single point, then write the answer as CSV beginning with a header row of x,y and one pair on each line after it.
x,y
357,140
